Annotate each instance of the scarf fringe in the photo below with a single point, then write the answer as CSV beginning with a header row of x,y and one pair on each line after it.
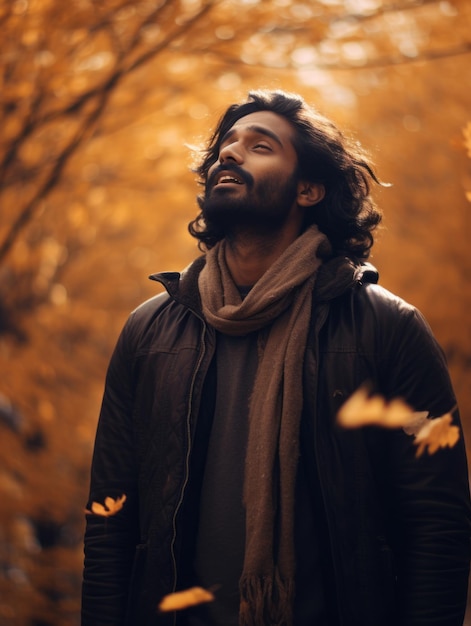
x,y
266,601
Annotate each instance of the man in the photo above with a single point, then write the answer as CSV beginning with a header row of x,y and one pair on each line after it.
x,y
219,419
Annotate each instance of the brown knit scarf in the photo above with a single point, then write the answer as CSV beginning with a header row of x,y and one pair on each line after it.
x,y
279,302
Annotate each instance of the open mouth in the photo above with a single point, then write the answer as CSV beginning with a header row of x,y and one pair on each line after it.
x,y
226,179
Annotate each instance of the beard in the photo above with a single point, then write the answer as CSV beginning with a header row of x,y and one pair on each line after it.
x,y
264,205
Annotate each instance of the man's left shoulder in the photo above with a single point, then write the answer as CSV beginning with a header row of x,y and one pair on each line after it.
x,y
380,299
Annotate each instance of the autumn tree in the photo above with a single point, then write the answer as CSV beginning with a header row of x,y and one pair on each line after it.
x,y
68,78
97,100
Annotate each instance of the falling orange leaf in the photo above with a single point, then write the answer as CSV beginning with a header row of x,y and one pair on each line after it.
x,y
184,599
437,433
111,506
362,409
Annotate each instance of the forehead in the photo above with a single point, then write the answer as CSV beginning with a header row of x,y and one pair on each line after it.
x,y
268,121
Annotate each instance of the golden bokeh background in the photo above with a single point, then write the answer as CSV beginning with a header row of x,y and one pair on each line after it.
x,y
101,104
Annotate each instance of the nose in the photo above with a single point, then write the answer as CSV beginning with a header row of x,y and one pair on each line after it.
x,y
231,152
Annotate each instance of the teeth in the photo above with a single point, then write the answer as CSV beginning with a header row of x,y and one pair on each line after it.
x,y
229,179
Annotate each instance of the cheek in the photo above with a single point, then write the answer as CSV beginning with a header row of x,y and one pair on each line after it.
x,y
210,171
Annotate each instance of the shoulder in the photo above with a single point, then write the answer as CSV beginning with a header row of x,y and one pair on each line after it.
x,y
352,289
394,320
379,321
181,295
382,302
143,314
399,321
136,328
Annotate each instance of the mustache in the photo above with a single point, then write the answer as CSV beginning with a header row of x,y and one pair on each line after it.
x,y
233,168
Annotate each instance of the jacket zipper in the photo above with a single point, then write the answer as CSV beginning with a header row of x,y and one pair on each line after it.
x,y
187,458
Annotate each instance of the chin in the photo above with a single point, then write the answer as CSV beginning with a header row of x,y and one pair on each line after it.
x,y
222,210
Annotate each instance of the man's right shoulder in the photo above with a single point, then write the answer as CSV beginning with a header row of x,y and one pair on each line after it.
x,y
139,329
144,314
150,306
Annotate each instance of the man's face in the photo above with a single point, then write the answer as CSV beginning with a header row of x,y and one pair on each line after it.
x,y
254,181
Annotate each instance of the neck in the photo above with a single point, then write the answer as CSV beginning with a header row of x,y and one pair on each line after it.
x,y
249,256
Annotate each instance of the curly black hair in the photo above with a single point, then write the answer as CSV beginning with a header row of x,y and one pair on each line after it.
x,y
347,214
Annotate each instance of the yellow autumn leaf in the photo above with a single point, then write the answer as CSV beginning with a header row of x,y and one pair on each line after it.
x,y
362,409
111,506
437,433
184,599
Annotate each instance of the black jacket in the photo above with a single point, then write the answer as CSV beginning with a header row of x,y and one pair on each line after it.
x,y
398,527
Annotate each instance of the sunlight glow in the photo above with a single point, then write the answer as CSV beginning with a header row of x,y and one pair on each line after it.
x,y
305,56
95,62
363,7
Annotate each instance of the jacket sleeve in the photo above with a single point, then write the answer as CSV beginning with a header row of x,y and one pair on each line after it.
x,y
429,503
110,540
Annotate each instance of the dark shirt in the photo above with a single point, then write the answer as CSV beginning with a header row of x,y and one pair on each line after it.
x,y
220,540
220,536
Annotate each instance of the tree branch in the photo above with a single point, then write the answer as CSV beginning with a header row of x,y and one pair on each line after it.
x,y
425,56
101,92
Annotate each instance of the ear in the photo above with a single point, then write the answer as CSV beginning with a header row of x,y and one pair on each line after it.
x,y
309,193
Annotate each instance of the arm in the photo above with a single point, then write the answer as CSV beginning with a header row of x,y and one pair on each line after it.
x,y
110,541
429,505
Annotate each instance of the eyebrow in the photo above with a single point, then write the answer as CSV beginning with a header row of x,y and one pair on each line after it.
x,y
261,130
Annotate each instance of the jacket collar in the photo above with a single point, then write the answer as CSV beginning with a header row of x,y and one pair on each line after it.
x,y
335,277
339,274
367,273
183,286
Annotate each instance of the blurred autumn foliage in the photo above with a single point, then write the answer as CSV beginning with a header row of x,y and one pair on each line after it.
x,y
99,101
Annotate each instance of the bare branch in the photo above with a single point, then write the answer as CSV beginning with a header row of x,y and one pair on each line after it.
x,y
165,43
424,56
102,93
28,211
